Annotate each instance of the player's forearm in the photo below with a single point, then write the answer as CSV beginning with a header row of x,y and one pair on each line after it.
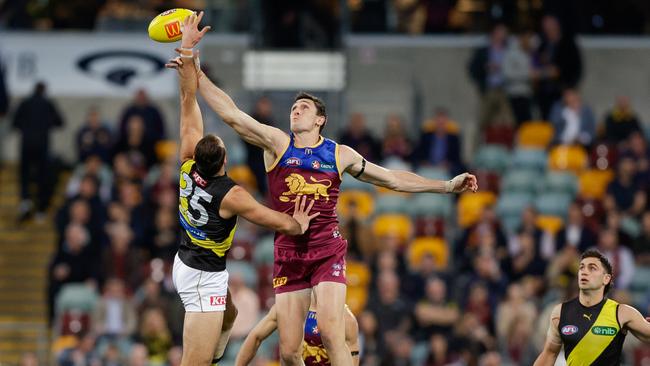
x,y
545,359
289,226
218,100
248,351
189,105
404,181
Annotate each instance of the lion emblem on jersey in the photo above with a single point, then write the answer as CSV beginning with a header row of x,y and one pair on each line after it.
x,y
298,186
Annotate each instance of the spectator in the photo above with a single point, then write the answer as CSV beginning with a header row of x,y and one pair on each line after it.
x,y
478,304
28,359
396,142
411,16
34,118
490,359
641,246
439,354
153,123
134,144
163,236
514,322
263,113
486,70
358,137
400,350
388,306
114,317
139,355
94,167
435,313
558,64
155,336
573,121
620,121
624,193
94,138
527,260
439,146
517,70
247,303
82,354
638,149
370,337
575,235
486,233
120,259
621,258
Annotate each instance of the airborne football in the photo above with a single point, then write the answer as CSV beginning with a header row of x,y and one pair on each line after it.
x,y
166,27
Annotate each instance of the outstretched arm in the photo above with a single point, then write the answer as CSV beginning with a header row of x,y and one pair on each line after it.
x,y
398,180
553,343
267,137
252,343
239,202
632,319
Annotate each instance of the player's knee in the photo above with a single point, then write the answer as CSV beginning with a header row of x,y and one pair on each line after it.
x,y
196,358
290,355
331,332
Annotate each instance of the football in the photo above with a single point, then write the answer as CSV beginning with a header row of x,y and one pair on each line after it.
x,y
166,27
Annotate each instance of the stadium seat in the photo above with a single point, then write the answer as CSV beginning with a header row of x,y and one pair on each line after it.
x,y
264,251
236,153
510,206
493,158
521,180
452,127
529,159
535,134
356,299
500,134
245,270
357,273
470,206
551,224
436,247
166,149
393,225
432,172
243,176
554,204
564,157
363,201
560,182
593,183
432,205
393,204
76,297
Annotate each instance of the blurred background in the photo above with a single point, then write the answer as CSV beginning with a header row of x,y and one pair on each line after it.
x,y
546,101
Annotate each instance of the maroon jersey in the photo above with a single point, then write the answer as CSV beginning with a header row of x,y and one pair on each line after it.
x,y
312,171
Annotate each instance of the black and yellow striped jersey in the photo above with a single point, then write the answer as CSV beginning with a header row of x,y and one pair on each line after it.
x,y
591,335
206,237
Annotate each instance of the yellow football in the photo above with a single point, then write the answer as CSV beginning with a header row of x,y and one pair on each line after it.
x,y
166,27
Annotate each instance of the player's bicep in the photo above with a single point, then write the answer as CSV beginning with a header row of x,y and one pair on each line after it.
x,y
553,339
354,164
635,322
267,137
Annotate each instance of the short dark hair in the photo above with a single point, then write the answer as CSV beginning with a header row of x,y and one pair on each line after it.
x,y
592,253
209,155
320,106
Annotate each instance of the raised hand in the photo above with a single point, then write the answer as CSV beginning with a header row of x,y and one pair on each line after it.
x,y
190,29
462,183
301,214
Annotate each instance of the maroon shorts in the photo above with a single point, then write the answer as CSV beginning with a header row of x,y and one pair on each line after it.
x,y
294,270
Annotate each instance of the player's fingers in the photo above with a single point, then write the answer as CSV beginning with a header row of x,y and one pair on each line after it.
x,y
297,205
198,19
311,204
178,50
302,203
171,66
205,29
314,215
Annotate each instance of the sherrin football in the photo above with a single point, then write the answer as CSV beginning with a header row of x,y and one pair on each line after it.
x,y
166,27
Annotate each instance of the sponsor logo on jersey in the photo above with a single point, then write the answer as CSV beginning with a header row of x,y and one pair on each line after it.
x,y
173,29
293,162
198,180
217,300
604,331
279,281
569,330
315,164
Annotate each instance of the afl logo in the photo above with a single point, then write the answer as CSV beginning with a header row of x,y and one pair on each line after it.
x,y
293,162
569,330
315,164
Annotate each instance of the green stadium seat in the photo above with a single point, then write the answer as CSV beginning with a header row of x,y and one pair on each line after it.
x,y
555,204
77,297
521,181
436,205
560,182
263,253
494,158
529,159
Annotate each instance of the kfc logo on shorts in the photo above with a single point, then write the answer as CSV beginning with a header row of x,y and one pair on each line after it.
x,y
279,281
217,300
569,330
315,164
293,162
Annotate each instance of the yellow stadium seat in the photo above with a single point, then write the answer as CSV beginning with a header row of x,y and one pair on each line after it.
x,y
452,126
363,201
551,224
357,274
568,157
243,176
593,183
356,299
535,134
165,149
470,206
436,247
393,225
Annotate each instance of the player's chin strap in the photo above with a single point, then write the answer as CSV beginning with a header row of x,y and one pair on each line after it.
x,y
455,181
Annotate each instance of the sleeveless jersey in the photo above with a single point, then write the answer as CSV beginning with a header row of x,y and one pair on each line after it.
x,y
205,236
312,171
313,350
591,335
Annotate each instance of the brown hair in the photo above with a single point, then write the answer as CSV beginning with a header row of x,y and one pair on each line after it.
x,y
320,106
592,253
209,154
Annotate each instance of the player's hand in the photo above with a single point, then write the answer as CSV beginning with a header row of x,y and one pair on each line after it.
x,y
190,29
301,214
462,183
176,62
